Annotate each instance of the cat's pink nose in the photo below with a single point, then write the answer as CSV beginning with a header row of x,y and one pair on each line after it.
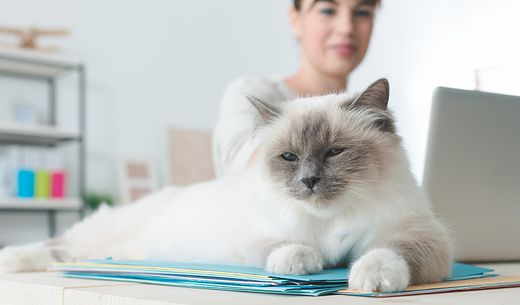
x,y
310,182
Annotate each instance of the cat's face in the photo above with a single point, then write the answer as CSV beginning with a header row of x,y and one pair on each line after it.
x,y
321,148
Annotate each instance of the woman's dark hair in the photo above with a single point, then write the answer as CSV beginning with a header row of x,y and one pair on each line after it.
x,y
298,3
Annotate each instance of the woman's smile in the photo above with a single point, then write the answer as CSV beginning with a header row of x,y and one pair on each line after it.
x,y
342,49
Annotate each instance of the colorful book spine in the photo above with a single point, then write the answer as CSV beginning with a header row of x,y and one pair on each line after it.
x,y
25,178
31,174
58,184
42,185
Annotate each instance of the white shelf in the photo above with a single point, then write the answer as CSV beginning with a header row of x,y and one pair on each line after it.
x,y
12,133
35,63
40,204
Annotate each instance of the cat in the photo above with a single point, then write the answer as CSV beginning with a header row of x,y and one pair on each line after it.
x,y
331,187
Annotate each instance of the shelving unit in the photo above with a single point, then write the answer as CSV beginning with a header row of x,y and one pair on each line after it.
x,y
47,68
28,63
34,135
73,204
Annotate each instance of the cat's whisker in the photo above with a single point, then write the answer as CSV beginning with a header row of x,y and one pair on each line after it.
x,y
360,196
279,202
359,192
363,181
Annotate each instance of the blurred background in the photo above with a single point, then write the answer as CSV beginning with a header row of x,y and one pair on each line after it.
x,y
155,65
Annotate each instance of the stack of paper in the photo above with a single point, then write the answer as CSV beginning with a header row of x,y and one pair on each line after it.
x,y
233,278
493,282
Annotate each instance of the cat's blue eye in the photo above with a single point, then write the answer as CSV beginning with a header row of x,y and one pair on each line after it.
x,y
328,11
334,152
287,156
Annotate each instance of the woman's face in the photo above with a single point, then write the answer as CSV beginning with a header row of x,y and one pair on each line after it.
x,y
333,34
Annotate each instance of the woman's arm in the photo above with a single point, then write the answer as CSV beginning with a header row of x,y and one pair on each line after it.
x,y
233,144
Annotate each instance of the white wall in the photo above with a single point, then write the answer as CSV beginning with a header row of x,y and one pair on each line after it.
x,y
420,45
155,64
161,63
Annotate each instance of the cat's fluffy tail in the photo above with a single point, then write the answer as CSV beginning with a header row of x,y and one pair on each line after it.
x,y
33,257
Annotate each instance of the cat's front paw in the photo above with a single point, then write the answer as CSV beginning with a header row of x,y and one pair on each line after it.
x,y
294,259
379,270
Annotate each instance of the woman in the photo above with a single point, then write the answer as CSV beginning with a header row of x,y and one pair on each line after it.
x,y
333,36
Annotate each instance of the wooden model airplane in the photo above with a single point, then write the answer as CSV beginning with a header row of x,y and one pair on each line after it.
x,y
28,36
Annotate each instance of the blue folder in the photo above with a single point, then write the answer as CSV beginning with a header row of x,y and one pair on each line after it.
x,y
224,277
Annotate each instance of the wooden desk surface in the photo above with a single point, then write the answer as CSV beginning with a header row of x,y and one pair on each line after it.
x,y
48,288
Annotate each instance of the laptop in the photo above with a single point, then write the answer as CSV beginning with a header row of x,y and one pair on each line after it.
x,y
472,172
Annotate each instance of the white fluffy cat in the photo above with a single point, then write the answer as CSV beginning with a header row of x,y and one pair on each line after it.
x,y
332,187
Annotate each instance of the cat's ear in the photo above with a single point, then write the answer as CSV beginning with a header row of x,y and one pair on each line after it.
x,y
267,112
376,95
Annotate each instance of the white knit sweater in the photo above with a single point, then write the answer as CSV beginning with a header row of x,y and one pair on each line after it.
x,y
233,141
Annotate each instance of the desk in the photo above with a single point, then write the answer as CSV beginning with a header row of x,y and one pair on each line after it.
x,y
47,288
